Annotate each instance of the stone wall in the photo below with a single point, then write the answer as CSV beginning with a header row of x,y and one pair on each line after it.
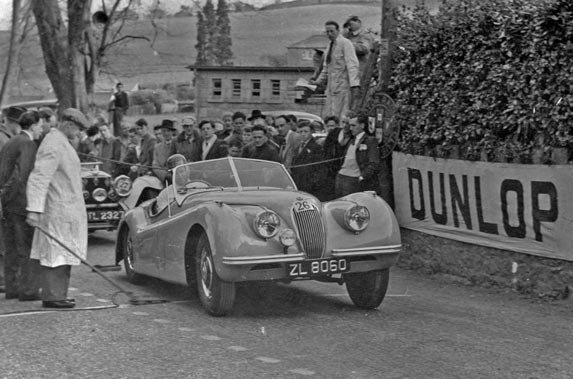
x,y
546,278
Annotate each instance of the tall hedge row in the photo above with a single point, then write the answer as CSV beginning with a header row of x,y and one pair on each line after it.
x,y
484,76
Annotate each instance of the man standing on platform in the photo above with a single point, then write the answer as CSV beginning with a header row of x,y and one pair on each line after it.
x,y
340,72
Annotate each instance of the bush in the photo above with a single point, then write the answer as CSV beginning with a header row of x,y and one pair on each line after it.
x,y
485,75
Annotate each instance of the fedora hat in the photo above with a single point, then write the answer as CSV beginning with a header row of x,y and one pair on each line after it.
x,y
167,124
14,113
256,114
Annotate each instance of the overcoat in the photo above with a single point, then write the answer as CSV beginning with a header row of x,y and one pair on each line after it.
x,y
55,190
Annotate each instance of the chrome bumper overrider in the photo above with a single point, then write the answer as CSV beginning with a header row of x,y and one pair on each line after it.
x,y
264,259
366,251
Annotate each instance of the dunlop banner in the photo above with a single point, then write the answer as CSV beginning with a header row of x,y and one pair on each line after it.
x,y
523,208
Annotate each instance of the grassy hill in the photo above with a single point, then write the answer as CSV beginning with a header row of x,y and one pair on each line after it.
x,y
255,34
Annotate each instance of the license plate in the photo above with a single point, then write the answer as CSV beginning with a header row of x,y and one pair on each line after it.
x,y
302,206
317,267
104,215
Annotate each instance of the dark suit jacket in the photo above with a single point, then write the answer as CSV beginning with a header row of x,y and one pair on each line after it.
x,y
265,152
368,160
218,150
308,178
146,156
16,162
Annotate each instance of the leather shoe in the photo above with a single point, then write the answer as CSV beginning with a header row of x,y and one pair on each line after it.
x,y
68,303
33,297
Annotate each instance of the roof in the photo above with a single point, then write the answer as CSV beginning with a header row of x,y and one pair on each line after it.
x,y
317,41
252,68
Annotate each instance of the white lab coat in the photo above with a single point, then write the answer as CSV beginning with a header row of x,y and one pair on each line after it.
x,y
341,74
55,190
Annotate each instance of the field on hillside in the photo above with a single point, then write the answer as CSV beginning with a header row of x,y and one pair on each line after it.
x,y
255,35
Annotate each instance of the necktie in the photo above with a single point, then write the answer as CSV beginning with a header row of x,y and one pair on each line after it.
x,y
329,55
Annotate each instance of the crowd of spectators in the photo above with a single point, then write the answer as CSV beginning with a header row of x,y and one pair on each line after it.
x,y
318,156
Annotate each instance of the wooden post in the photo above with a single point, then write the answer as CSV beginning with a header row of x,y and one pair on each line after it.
x,y
388,36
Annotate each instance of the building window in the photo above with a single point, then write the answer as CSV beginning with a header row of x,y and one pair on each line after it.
x,y
217,87
307,55
236,87
275,88
256,87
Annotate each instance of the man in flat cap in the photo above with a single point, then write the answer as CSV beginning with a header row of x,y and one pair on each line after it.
x,y
56,204
163,150
362,40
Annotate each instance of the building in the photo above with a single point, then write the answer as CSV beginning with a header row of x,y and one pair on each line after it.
x,y
221,89
302,53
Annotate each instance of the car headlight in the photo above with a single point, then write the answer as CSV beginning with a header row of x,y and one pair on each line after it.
x,y
99,194
357,218
122,185
287,237
267,224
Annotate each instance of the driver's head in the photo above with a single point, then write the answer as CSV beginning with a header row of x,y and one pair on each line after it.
x,y
175,160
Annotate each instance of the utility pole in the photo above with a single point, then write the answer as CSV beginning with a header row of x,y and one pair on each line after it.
x,y
387,42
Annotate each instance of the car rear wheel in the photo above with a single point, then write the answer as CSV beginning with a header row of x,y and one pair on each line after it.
x,y
367,289
128,259
216,295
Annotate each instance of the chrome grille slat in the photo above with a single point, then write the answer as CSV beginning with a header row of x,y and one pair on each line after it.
x,y
311,232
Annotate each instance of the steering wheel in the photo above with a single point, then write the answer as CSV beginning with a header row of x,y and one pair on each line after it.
x,y
194,184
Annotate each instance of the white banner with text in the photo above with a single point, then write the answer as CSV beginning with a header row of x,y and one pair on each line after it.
x,y
522,208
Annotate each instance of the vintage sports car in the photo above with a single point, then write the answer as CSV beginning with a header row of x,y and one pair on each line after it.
x,y
232,220
102,195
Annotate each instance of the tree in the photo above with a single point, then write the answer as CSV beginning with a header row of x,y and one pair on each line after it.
x,y
62,48
223,51
211,29
201,40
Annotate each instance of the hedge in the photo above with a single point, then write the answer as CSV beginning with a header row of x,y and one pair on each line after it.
x,y
484,77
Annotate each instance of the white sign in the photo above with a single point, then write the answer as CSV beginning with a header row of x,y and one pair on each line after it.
x,y
522,208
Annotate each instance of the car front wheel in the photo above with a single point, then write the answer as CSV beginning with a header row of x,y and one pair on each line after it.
x,y
216,295
128,259
367,289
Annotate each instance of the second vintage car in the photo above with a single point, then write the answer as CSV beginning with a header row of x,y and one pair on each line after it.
x,y
102,195
233,220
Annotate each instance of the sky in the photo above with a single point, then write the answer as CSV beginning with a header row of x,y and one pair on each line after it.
x,y
170,5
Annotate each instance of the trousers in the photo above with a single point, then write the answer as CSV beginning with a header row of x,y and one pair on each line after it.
x,y
345,185
21,274
55,282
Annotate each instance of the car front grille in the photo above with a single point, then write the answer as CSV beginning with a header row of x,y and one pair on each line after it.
x,y
311,232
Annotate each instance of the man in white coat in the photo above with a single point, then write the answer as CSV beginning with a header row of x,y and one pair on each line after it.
x,y
56,204
340,72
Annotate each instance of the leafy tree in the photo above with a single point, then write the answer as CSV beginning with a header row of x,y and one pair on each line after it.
x,y
201,40
223,51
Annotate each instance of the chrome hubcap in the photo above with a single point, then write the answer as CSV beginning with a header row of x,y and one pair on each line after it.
x,y
206,273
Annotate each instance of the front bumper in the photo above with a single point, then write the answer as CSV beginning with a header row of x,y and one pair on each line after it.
x,y
273,267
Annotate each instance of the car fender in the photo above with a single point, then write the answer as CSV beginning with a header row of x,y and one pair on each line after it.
x,y
138,186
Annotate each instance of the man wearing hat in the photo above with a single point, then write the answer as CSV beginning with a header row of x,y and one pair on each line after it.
x,y
188,142
339,72
56,204
12,127
163,150
362,40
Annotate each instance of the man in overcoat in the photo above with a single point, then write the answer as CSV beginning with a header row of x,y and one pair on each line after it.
x,y
163,150
148,142
56,204
118,105
359,170
16,162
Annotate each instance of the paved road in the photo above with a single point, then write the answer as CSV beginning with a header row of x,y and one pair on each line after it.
x,y
426,328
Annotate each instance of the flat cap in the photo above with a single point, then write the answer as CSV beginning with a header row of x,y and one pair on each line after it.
x,y
75,116
14,113
188,120
353,18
